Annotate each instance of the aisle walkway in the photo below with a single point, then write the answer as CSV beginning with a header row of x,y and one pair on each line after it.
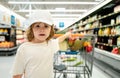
x,y
6,64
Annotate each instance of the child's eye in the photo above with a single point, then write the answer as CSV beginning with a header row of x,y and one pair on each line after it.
x,y
37,26
46,26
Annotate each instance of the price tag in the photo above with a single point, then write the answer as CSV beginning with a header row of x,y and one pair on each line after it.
x,y
2,38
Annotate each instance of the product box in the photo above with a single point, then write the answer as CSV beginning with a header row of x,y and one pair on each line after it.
x,y
117,8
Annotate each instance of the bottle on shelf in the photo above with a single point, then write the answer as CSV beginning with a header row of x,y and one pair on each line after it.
x,y
5,31
110,41
112,22
113,31
107,31
118,41
118,19
100,32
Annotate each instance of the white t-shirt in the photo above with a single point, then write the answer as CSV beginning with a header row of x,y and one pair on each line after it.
x,y
35,59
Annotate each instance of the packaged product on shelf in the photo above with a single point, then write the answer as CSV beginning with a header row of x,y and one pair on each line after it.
x,y
1,16
110,41
117,30
117,8
112,22
81,28
19,32
118,41
6,18
118,19
100,32
1,31
5,31
18,24
113,31
107,31
6,44
115,50
88,26
2,38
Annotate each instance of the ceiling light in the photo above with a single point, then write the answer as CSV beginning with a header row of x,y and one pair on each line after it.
x,y
6,10
66,15
64,18
23,2
61,9
62,15
69,10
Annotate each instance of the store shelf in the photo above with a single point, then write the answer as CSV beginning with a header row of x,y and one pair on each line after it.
x,y
85,29
109,25
106,44
4,34
113,73
103,17
20,28
77,30
109,15
114,56
107,57
8,43
1,26
8,49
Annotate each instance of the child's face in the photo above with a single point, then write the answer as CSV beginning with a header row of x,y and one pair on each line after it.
x,y
41,31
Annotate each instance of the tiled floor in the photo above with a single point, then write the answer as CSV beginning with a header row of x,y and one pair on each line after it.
x,y
6,64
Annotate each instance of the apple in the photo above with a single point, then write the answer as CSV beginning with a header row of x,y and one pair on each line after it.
x,y
115,50
89,48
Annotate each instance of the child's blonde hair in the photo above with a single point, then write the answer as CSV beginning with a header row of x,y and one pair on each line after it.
x,y
30,35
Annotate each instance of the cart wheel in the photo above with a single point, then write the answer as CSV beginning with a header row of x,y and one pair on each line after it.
x,y
64,75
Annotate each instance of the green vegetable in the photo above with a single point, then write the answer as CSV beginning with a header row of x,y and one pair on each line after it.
x,y
78,63
70,59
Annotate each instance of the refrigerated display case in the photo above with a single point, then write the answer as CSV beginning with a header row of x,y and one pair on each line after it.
x,y
7,40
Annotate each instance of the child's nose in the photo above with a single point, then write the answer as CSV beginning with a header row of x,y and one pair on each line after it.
x,y
42,28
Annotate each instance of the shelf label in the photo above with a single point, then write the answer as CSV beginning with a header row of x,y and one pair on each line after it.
x,y
2,38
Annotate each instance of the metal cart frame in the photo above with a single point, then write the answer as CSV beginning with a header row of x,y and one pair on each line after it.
x,y
70,69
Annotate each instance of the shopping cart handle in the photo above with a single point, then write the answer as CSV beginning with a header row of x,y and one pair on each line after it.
x,y
60,67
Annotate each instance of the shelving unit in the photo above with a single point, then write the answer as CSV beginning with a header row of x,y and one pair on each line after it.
x,y
20,38
7,40
105,19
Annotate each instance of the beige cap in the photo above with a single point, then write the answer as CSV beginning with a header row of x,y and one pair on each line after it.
x,y
40,16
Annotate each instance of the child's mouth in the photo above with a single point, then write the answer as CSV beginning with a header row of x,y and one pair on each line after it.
x,y
41,34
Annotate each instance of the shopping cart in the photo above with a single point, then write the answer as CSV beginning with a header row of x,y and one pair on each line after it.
x,y
75,64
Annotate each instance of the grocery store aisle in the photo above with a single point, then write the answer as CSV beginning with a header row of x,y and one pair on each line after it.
x,y
6,64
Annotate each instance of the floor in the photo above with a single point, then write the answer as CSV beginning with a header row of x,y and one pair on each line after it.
x,y
7,61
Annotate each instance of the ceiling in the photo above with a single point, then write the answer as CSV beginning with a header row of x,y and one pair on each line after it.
x,y
70,9
24,9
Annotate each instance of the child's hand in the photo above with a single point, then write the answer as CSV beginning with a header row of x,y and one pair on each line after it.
x,y
68,34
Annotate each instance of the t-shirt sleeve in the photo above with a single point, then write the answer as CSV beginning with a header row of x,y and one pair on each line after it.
x,y
55,45
18,65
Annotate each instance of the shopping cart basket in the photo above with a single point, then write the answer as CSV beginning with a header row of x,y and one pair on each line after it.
x,y
75,64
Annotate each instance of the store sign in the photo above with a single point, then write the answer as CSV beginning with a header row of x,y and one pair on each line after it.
x,y
61,24
12,20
